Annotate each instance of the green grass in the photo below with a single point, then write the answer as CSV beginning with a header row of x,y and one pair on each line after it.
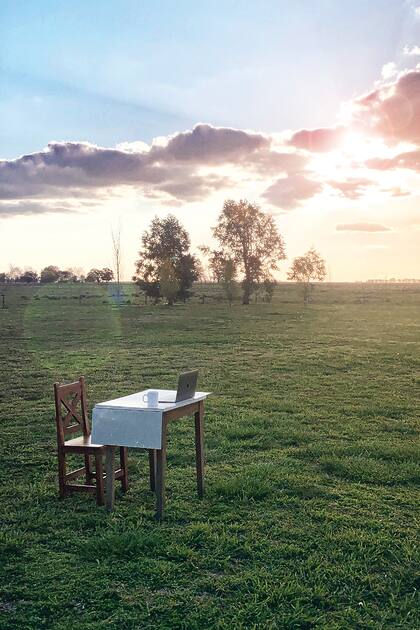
x,y
313,464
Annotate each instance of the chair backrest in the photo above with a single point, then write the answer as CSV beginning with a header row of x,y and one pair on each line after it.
x,y
71,409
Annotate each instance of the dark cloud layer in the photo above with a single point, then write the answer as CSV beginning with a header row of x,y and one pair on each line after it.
x,y
27,207
171,169
210,145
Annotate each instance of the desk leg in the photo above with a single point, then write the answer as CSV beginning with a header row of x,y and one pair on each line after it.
x,y
199,448
160,476
110,477
152,468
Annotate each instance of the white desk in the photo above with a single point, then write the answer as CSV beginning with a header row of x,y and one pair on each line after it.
x,y
129,421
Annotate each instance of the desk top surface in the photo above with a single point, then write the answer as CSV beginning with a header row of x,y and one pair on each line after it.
x,y
136,402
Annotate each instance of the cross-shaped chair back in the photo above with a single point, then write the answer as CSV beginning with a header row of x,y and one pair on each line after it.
x,y
71,409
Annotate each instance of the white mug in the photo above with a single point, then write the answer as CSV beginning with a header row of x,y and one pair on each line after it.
x,y
151,398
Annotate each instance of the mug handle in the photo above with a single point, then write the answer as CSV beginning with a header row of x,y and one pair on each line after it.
x,y
147,397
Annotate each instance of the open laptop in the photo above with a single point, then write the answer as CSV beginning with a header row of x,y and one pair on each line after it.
x,y
187,384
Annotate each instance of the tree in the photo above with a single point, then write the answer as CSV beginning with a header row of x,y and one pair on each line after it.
x,y
305,268
268,286
67,275
50,274
230,286
187,272
77,274
168,282
94,275
100,275
13,274
29,275
216,262
200,270
165,241
250,237
106,274
117,258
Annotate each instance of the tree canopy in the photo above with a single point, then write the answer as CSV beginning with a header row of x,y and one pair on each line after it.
x,y
250,237
50,274
166,242
310,266
28,276
228,279
100,275
216,261
168,282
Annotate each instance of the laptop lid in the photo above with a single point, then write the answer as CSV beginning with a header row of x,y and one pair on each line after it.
x,y
187,385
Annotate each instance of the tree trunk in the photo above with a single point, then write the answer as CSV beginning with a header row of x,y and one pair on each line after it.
x,y
247,287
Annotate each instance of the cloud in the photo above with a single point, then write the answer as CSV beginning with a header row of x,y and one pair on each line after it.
x,y
27,207
191,165
352,188
393,109
210,145
398,192
65,166
170,167
408,160
193,187
413,51
273,162
362,227
389,70
318,140
136,146
289,192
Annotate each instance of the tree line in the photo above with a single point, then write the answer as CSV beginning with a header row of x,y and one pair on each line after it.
x,y
249,246
249,249
52,273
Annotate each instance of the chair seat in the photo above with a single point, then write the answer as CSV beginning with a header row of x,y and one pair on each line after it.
x,y
82,442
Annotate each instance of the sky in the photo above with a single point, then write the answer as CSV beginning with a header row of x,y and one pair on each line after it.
x,y
112,112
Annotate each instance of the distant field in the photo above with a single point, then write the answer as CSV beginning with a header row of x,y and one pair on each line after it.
x,y
313,462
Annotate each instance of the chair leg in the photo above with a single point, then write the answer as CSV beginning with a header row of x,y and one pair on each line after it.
x,y
124,468
110,477
99,480
88,469
62,474
152,468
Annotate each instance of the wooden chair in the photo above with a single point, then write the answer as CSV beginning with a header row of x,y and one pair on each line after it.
x,y
71,417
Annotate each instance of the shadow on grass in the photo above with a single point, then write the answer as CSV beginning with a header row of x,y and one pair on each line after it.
x,y
371,471
266,481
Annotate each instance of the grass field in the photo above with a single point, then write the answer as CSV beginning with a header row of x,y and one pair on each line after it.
x,y
312,463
